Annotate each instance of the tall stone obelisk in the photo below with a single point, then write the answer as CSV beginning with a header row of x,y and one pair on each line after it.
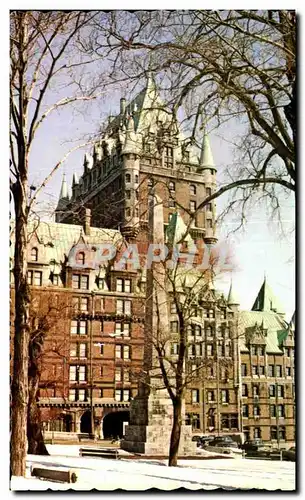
x,y
151,411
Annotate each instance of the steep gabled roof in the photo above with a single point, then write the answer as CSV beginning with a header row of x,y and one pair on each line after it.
x,y
266,300
271,322
232,297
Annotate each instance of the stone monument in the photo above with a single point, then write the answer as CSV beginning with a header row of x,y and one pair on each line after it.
x,y
151,411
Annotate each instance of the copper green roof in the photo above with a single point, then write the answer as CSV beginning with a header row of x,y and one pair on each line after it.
x,y
176,229
271,322
266,300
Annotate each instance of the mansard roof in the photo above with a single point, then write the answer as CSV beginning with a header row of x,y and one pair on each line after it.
x,y
57,239
272,323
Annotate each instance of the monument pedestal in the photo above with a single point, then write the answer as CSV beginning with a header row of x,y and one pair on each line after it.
x,y
150,427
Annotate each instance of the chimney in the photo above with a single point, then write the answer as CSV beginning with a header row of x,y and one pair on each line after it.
x,y
86,220
122,105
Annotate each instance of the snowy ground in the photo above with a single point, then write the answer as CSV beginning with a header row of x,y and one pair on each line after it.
x,y
108,474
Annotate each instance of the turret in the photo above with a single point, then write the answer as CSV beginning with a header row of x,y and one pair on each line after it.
x,y
232,300
206,157
63,199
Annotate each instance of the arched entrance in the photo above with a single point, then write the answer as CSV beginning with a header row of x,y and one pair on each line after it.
x,y
85,422
113,424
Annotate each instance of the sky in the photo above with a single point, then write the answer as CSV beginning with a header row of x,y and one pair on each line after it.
x,y
259,249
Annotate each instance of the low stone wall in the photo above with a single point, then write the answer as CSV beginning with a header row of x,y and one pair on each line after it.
x,y
61,435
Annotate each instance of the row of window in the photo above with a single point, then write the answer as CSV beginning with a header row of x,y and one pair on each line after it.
x,y
200,349
79,373
227,420
80,327
258,350
256,390
273,370
257,411
128,178
230,422
209,222
35,278
192,187
224,396
257,433
200,312
83,395
209,370
192,205
197,331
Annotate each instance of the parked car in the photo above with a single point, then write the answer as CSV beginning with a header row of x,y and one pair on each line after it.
x,y
224,442
197,439
205,440
252,445
289,455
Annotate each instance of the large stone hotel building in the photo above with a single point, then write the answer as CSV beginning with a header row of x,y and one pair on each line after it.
x,y
93,350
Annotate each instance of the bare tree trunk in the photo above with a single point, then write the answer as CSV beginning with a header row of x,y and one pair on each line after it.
x,y
36,444
176,432
19,386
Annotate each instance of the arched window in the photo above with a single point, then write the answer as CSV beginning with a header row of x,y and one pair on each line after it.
x,y
128,177
171,186
136,178
80,258
192,189
208,331
34,254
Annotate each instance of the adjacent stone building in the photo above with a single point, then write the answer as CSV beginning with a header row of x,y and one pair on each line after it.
x,y
267,370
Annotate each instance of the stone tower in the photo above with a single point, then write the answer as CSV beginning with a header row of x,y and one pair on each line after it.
x,y
151,412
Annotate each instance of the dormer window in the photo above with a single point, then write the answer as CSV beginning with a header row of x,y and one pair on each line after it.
x,y
80,258
186,156
34,254
147,148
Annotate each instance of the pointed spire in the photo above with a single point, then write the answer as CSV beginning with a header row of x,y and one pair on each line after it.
x,y
64,189
232,298
75,179
206,156
266,301
88,161
63,195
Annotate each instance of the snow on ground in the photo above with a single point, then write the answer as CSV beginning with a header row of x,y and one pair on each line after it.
x,y
110,474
